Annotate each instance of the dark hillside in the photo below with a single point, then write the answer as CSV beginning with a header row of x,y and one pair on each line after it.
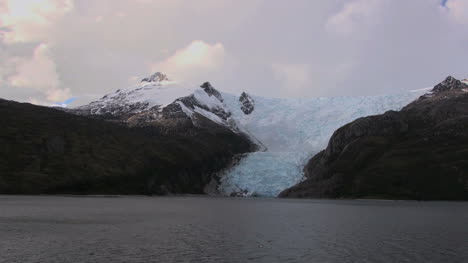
x,y
420,152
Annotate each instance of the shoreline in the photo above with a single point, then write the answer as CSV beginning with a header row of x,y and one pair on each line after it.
x,y
224,197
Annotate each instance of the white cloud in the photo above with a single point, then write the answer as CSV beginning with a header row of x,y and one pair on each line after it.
x,y
294,77
197,60
39,73
352,16
29,20
459,10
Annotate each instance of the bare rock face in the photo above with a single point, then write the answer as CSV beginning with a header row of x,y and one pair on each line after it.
x,y
211,91
247,103
420,152
450,83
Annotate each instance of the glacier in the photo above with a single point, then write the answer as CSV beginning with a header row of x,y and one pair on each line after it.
x,y
292,131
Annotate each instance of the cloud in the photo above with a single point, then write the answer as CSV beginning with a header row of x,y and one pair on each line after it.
x,y
458,9
353,15
29,20
318,48
198,60
39,73
294,77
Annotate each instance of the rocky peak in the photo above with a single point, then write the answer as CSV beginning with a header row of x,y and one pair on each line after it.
x,y
156,77
247,103
450,83
211,91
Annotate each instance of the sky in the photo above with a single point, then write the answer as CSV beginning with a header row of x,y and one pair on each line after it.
x,y
70,52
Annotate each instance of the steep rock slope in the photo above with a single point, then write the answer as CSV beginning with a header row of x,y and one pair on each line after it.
x,y
420,152
45,150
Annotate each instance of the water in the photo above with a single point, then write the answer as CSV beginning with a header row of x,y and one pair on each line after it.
x,y
203,229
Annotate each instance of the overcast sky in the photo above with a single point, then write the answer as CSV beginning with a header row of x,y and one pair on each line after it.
x,y
57,50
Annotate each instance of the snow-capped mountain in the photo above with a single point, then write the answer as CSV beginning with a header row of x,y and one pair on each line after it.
x,y
288,131
157,98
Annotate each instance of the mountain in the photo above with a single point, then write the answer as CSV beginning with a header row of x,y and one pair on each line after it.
x,y
164,136
287,131
46,150
157,100
419,152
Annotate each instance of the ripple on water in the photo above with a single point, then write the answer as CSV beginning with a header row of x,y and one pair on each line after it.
x,y
181,229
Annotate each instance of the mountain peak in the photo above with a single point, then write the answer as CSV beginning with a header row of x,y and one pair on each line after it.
x,y
211,91
450,83
156,77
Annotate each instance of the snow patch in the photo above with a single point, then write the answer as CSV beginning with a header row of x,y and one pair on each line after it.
x,y
210,101
213,117
421,90
184,108
162,93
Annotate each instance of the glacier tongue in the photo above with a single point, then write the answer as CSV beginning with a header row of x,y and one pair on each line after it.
x,y
293,130
263,174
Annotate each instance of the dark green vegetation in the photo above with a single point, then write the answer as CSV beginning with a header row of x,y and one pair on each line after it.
x,y
45,150
420,152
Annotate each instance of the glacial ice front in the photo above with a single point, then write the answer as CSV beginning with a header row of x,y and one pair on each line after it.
x,y
292,131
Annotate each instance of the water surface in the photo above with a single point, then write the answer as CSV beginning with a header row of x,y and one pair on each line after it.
x,y
207,229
